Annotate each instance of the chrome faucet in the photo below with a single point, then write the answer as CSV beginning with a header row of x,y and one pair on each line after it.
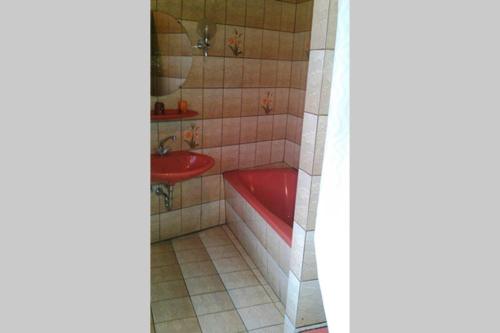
x,y
162,150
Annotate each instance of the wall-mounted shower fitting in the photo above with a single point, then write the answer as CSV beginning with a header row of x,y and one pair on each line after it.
x,y
206,31
166,191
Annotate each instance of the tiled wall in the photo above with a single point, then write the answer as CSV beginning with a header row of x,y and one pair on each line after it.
x,y
304,303
227,89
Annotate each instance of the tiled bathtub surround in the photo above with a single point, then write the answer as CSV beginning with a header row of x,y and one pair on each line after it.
x,y
267,249
227,90
207,283
304,303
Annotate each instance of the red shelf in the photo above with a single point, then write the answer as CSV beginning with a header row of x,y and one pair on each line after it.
x,y
171,115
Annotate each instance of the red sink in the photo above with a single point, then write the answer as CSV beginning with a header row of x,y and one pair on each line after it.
x,y
177,166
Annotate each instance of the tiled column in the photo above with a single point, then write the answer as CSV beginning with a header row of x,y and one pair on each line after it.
x,y
304,306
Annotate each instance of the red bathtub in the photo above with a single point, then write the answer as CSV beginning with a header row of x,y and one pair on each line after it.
x,y
271,192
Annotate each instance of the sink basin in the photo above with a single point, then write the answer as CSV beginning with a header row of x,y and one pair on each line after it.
x,y
177,166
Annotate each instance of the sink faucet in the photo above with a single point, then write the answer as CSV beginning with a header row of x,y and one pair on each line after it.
x,y
162,150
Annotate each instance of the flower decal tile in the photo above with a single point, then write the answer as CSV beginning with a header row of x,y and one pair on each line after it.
x,y
192,136
234,43
267,102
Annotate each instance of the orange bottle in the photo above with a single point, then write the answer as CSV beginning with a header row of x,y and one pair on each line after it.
x,y
183,106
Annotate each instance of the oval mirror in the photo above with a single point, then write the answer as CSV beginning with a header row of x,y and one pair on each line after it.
x,y
171,54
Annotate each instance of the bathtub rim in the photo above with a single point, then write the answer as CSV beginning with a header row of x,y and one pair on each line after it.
x,y
279,226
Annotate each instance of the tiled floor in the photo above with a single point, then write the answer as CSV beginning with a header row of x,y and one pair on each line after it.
x,y
207,283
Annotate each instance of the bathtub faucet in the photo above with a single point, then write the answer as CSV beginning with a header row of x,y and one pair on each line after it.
x,y
162,150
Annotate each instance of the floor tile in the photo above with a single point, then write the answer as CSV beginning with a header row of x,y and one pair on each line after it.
x,y
270,329
162,247
224,251
239,279
177,308
280,307
166,273
204,284
228,265
187,243
212,303
214,237
167,290
260,316
271,293
249,296
163,259
193,255
222,322
196,269
189,325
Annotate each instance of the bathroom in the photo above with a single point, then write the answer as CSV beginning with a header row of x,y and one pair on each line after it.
x,y
240,95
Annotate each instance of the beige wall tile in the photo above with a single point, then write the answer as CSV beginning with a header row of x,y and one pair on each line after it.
x,y
231,103
210,188
210,214
288,17
193,9
216,10
212,103
213,74
253,42
326,84
277,151
270,44
308,142
230,131
191,219
172,7
314,81
292,299
320,145
233,72
236,10
255,14
319,24
265,128
230,158
195,77
170,224
272,14
251,72
248,130
332,25
285,46
281,100
279,126
191,192
263,153
310,306
302,199
303,17
268,74
250,102
291,125
247,155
